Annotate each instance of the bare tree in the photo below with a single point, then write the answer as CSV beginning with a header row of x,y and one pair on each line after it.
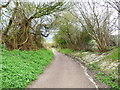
x,y
116,5
95,23
4,6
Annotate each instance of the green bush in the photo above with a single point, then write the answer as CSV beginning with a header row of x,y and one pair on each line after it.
x,y
19,68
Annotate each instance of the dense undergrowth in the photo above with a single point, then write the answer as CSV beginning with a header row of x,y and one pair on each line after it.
x,y
19,68
110,78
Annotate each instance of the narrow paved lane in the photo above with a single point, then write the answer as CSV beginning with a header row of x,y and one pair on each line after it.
x,y
63,72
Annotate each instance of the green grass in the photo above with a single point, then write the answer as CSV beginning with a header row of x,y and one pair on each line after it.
x,y
81,55
77,53
19,68
93,66
114,54
65,51
111,80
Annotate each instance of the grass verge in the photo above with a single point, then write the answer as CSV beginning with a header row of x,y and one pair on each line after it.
x,y
114,54
65,51
112,78
19,68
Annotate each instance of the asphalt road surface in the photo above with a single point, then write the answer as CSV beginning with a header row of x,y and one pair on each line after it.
x,y
63,72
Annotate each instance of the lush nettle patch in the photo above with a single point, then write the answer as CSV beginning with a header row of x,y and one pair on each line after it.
x,y
19,68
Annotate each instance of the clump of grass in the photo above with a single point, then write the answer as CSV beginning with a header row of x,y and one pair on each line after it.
x,y
19,68
94,66
80,55
114,54
65,51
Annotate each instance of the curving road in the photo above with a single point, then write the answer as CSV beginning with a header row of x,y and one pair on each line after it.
x,y
63,72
